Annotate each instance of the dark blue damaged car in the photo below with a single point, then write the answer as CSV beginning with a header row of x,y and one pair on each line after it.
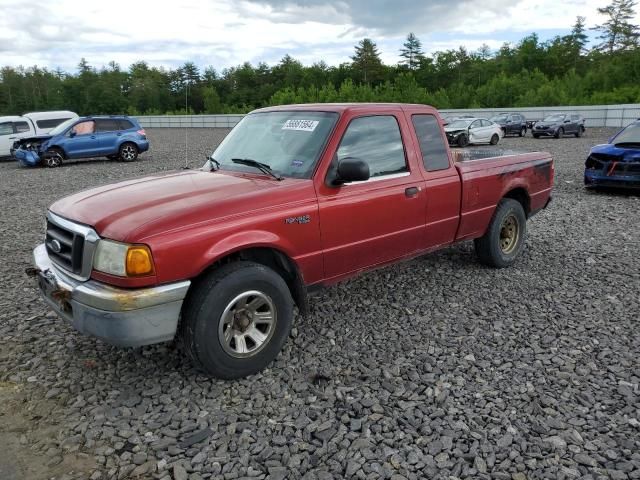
x,y
617,163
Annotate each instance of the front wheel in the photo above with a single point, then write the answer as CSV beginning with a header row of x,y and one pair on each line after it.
x,y
503,241
463,140
579,132
494,139
236,320
128,152
53,158
559,133
523,132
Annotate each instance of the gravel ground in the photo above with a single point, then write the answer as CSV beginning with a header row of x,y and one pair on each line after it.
x,y
432,368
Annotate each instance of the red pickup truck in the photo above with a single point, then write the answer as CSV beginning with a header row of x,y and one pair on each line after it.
x,y
295,197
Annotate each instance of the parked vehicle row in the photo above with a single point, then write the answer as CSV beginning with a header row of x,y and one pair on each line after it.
x,y
15,127
556,125
114,137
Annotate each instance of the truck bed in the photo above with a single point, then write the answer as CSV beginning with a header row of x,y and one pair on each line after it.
x,y
489,175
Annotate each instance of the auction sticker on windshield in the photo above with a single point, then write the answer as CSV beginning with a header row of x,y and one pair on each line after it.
x,y
303,125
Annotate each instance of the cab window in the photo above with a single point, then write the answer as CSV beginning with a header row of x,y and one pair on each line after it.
x,y
377,141
21,127
432,146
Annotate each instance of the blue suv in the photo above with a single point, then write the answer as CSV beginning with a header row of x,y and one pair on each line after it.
x,y
114,137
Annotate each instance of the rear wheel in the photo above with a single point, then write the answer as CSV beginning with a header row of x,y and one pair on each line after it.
x,y
236,320
494,139
559,133
500,246
463,140
128,152
578,132
53,157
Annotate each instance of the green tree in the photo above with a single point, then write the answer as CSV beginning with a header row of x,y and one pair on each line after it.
x,y
366,61
617,32
411,52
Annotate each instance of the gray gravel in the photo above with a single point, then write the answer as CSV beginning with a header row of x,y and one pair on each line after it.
x,y
433,368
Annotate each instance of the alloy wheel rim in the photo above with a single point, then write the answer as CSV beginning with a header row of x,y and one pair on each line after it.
x,y
509,234
53,160
127,152
247,324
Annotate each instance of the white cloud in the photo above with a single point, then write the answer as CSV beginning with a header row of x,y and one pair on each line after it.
x,y
224,33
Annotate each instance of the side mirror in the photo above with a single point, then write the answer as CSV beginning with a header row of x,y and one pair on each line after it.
x,y
72,134
351,170
508,121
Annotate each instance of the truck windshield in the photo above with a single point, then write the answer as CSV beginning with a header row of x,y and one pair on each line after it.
x,y
290,142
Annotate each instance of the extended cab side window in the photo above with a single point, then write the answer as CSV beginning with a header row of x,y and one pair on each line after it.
x,y
377,141
432,146
6,128
21,127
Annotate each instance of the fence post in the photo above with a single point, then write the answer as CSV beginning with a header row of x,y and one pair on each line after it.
x,y
622,117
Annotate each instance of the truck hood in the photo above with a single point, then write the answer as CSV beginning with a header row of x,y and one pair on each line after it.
x,y
134,210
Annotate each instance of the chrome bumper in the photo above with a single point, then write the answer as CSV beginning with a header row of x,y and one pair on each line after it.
x,y
119,316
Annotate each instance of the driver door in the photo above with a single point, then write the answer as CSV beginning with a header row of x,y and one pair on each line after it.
x,y
364,224
475,132
81,140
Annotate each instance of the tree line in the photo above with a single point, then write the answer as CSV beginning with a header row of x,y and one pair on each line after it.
x,y
559,71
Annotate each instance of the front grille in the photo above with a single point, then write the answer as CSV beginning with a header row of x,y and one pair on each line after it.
x,y
65,247
70,245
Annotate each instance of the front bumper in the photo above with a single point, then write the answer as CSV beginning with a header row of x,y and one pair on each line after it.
x,y
119,316
544,133
27,158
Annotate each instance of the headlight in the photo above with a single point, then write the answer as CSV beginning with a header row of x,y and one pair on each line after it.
x,y
122,259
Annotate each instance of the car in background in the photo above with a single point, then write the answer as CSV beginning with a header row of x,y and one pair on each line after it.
x,y
616,163
30,124
114,137
558,125
447,119
511,123
465,131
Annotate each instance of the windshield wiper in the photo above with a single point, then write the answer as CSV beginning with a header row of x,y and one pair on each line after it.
x,y
263,167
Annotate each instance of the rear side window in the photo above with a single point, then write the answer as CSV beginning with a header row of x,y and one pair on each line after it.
x,y
21,127
50,122
125,124
106,125
377,141
485,123
434,151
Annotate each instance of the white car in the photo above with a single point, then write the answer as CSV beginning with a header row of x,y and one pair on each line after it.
x,y
29,125
465,131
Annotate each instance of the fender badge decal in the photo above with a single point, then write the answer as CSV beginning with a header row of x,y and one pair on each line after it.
x,y
300,220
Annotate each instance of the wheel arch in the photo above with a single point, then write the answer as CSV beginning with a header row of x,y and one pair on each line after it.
x,y
520,195
269,256
60,149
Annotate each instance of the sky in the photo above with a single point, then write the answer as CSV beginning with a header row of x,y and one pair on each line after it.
x,y
225,33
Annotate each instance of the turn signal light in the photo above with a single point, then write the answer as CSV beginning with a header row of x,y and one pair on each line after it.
x,y
139,261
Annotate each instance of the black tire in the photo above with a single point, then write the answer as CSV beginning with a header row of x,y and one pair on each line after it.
x,y
535,136
495,138
463,140
202,327
53,157
559,133
128,152
490,248
578,133
522,132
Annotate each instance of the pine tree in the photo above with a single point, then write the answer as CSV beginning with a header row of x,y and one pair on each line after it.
x,y
367,61
578,36
617,32
412,52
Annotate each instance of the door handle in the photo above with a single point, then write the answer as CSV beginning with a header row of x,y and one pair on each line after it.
x,y
411,191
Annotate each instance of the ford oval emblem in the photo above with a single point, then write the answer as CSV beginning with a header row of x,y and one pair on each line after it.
x,y
55,246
